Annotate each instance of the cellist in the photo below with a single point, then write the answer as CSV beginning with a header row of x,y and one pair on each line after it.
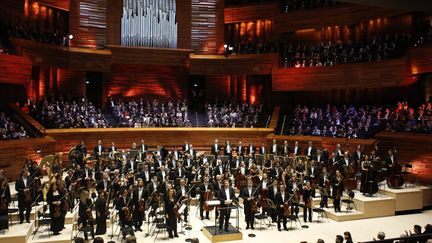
x,y
55,202
205,191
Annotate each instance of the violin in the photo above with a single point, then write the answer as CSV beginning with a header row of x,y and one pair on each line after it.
x,y
141,205
57,210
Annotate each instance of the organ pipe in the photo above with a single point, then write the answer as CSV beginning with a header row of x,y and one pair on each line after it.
x,y
150,23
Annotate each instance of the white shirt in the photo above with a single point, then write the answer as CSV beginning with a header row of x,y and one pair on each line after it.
x,y
140,190
183,191
283,196
274,148
295,149
25,181
250,191
216,147
264,184
227,194
309,151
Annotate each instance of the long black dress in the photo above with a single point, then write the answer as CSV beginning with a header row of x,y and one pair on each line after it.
x,y
100,207
56,220
5,199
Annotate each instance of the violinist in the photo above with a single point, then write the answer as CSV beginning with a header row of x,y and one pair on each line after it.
x,y
104,183
338,188
98,150
313,174
205,191
217,186
140,197
85,216
124,206
324,184
248,193
65,200
282,207
170,217
181,194
101,207
307,199
55,202
24,188
5,199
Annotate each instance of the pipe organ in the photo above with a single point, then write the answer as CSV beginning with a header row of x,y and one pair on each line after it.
x,y
150,23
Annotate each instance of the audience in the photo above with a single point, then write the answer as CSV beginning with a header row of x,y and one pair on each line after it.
x,y
40,35
65,113
333,53
155,114
359,122
230,114
10,129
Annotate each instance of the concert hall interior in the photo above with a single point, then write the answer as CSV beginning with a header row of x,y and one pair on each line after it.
x,y
215,120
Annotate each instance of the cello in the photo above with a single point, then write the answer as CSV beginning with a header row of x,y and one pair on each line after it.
x,y
396,179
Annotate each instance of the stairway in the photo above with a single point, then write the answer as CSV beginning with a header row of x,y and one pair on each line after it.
x,y
198,119
112,122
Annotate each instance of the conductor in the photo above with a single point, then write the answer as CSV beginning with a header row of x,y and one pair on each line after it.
x,y
226,197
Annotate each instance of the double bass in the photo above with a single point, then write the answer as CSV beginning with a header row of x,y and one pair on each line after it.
x,y
396,179
208,195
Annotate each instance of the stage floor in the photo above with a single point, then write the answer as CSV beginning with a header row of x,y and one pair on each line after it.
x,y
326,229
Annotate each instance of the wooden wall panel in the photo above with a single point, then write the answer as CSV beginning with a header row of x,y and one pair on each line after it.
x,y
168,82
14,69
217,86
234,64
60,4
343,14
420,59
48,55
113,14
379,74
184,24
88,23
251,12
412,148
14,153
207,26
149,55
71,82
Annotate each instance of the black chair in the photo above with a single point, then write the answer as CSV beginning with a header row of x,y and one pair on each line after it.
x,y
294,217
349,201
12,211
321,214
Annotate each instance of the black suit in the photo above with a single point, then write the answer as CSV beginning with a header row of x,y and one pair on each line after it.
x,y
225,213
100,185
22,204
310,153
96,151
215,151
180,196
280,201
138,215
296,150
246,195
274,149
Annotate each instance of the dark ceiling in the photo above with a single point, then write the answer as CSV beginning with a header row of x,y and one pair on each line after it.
x,y
412,5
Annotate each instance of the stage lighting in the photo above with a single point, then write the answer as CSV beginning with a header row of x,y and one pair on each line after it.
x,y
70,36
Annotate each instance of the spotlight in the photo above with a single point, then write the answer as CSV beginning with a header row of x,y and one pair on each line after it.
x,y
195,85
70,36
38,151
225,46
87,82
230,48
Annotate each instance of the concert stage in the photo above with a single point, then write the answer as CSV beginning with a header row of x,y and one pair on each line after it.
x,y
17,233
387,202
212,233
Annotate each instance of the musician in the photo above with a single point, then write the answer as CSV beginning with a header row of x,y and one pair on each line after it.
x,y
215,148
324,183
319,158
227,149
285,149
175,153
369,182
125,207
338,153
310,151
240,149
296,150
276,172
219,169
226,197
140,197
204,189
313,174
274,148
55,202
24,188
217,186
131,165
391,158
191,151
170,217
112,149
338,188
104,183
179,172
162,173
248,193
307,199
98,149
358,155
5,199
242,171
101,208
185,147
282,199
263,149
181,194
84,212
143,148
273,191
251,149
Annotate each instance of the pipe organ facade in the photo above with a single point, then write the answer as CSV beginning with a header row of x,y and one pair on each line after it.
x,y
149,23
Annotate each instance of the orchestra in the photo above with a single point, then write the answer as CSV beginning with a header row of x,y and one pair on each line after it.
x,y
139,182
